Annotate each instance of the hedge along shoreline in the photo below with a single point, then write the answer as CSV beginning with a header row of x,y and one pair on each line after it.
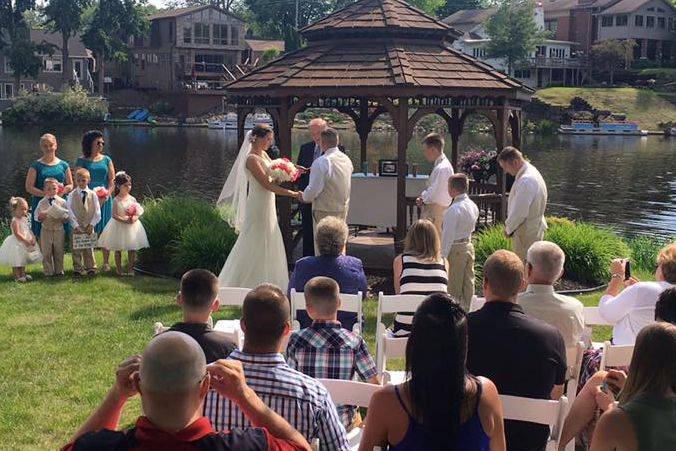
x,y
73,105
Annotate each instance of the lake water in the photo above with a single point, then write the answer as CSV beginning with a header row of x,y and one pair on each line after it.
x,y
628,183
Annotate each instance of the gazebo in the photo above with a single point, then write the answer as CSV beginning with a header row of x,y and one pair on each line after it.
x,y
375,57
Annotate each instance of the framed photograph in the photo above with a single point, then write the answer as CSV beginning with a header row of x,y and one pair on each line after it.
x,y
84,241
388,168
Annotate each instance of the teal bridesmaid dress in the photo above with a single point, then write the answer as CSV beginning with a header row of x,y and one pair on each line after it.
x,y
99,173
42,172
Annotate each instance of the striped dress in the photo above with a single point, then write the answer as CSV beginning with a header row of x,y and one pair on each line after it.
x,y
418,277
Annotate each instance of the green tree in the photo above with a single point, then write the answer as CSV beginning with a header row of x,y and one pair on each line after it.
x,y
65,17
227,5
612,54
513,32
112,24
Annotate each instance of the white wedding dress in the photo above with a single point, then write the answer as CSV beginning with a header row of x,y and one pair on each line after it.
x,y
258,255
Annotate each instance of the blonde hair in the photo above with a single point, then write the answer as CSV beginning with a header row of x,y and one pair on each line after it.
x,y
47,137
649,370
14,203
510,154
422,241
503,273
666,260
83,171
50,180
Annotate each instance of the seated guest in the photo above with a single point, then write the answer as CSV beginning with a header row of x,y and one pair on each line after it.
x,y
326,350
198,298
173,378
633,308
544,266
522,355
300,399
331,240
421,269
645,417
580,420
442,406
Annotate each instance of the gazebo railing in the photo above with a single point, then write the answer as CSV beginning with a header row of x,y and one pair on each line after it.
x,y
488,199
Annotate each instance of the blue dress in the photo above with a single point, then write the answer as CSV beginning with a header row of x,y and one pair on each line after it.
x,y
99,173
42,172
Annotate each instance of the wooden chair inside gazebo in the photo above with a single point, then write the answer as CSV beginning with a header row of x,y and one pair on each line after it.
x,y
383,56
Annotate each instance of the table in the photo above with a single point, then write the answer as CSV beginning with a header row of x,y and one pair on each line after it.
x,y
373,199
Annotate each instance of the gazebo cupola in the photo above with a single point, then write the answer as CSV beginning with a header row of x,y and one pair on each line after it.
x,y
374,57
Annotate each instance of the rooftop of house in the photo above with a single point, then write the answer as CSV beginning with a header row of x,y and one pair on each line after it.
x,y
178,12
627,6
261,45
75,46
466,19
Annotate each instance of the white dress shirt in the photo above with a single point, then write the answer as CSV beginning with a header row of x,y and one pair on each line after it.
x,y
631,310
527,201
77,195
459,222
437,185
319,172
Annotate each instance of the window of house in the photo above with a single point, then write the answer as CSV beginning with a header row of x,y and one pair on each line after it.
x,y
650,21
607,21
52,63
541,50
187,35
202,33
208,62
652,8
551,25
171,30
479,53
7,91
8,67
234,37
660,10
220,34
638,21
557,53
671,24
621,21
661,22
522,73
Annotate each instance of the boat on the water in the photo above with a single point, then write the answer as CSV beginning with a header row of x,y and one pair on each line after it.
x,y
618,127
229,122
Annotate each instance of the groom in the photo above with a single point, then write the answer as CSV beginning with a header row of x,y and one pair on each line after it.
x,y
330,180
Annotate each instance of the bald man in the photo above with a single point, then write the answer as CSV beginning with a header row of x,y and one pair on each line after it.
x,y
173,379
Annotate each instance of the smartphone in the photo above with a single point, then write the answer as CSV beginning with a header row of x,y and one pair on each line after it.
x,y
627,270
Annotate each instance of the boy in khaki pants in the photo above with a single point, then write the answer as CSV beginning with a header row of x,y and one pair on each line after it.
x,y
456,240
85,213
52,212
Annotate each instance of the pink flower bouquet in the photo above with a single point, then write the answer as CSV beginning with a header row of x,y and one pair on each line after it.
x,y
101,193
134,210
282,170
60,189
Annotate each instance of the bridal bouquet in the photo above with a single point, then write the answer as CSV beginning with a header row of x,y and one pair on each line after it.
x,y
101,193
282,170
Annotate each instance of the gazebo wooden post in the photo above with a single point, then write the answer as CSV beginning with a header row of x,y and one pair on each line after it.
x,y
515,124
285,123
402,144
242,113
363,128
500,139
455,127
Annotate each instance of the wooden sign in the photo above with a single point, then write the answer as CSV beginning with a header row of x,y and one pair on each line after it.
x,y
84,241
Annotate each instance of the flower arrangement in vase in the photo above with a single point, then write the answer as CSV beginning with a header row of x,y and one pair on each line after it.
x,y
479,164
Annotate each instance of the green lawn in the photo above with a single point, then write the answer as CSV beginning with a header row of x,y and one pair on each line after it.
x,y
644,106
62,340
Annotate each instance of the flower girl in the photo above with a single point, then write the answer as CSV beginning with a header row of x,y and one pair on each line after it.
x,y
19,249
125,232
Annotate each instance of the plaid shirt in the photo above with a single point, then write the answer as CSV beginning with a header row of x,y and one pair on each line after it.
x,y
301,400
325,350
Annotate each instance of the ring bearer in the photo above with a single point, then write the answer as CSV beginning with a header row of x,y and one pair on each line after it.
x,y
435,199
84,213
52,212
456,240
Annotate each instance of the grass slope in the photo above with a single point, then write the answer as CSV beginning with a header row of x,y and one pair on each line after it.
x,y
62,339
646,107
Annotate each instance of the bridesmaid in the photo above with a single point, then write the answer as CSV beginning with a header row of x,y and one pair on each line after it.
x,y
102,172
49,166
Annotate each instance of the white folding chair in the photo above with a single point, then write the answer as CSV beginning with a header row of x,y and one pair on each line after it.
x,y
389,304
232,296
540,411
392,347
615,355
232,329
348,303
476,303
592,317
351,393
574,362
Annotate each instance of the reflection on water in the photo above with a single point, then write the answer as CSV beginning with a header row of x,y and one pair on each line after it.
x,y
626,183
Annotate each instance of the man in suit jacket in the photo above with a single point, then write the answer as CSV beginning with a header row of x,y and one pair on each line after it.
x,y
309,152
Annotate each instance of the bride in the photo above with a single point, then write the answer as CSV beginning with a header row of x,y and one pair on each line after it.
x,y
248,202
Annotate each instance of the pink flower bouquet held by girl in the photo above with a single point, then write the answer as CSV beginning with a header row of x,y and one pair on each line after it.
x,y
101,193
134,210
282,170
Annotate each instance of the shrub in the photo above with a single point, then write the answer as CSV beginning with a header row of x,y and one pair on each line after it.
x,y
557,220
171,219
486,242
644,252
70,106
4,229
588,248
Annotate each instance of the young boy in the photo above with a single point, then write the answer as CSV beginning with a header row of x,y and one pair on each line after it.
x,y
435,199
85,213
52,212
198,299
456,240
325,349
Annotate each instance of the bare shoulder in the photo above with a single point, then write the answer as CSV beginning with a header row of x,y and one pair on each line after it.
x,y
614,428
385,397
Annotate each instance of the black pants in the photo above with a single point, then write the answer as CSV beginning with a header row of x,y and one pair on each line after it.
x,y
308,235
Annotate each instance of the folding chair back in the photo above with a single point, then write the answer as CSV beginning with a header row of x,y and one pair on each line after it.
x,y
393,304
574,362
233,330
615,355
232,296
540,411
348,303
592,317
390,347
